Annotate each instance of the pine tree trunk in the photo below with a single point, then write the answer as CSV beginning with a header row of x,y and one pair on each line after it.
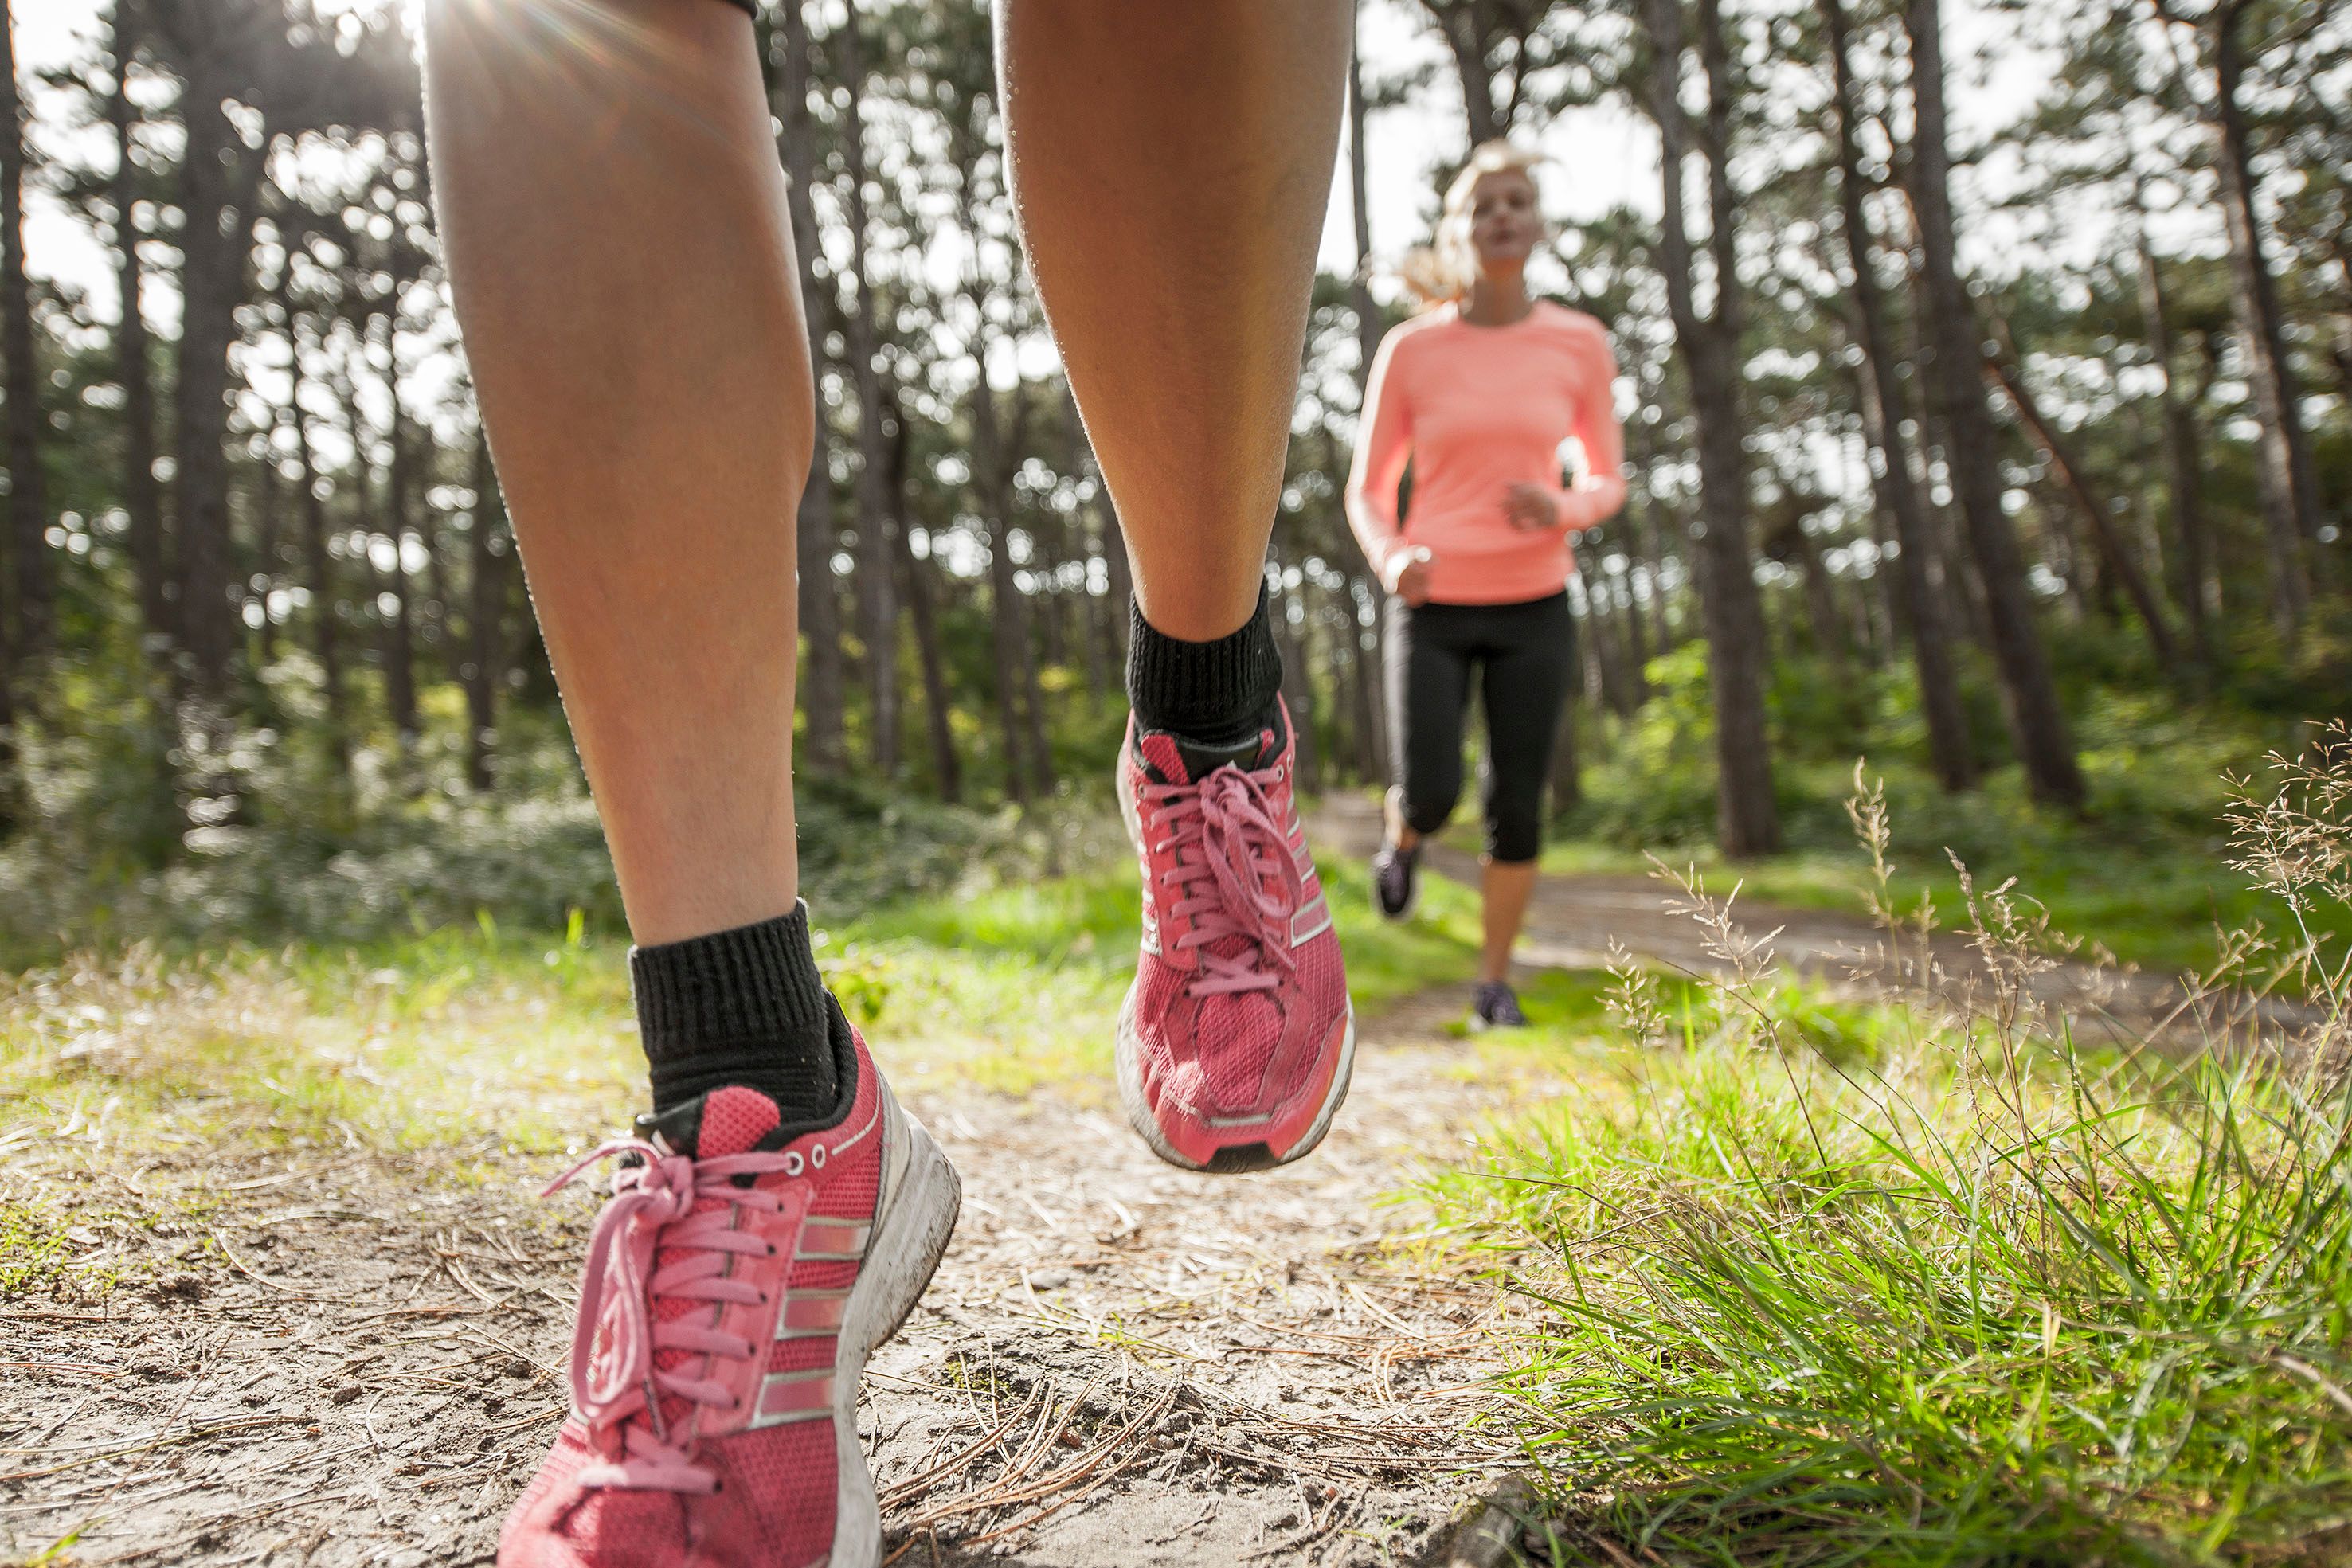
x,y
1372,705
1820,599
1033,707
218,180
362,522
823,667
143,497
1924,600
34,626
915,580
485,669
1008,611
1028,767
1298,682
1466,41
2182,464
1645,536
1637,638
269,524
2038,722
1109,542
2095,513
1598,635
2289,489
2339,345
326,641
915,590
1748,818
1093,625
876,551
400,629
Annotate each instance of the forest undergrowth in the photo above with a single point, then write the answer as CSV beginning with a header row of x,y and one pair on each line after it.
x,y
1950,1286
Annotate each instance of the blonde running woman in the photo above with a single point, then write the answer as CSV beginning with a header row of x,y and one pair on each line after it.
x,y
1478,395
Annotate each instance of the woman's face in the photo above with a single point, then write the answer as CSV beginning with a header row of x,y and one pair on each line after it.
x,y
1505,223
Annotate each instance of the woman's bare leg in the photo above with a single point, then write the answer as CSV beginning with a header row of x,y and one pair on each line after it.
x,y
1170,163
1505,888
616,226
1400,833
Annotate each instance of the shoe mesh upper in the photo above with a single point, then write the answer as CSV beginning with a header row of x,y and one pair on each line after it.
x,y
777,1491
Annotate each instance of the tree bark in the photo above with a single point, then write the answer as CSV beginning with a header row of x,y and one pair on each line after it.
x,y
1748,818
2044,744
822,668
1646,527
1011,652
1108,540
143,497
400,495
1600,637
1019,698
35,594
1821,597
1464,24
877,553
485,669
219,179
326,643
915,588
1949,750
1297,682
2290,492
1637,638
2182,464
2115,551
270,525
363,520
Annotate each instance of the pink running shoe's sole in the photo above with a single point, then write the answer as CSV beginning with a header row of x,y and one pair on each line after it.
x,y
1239,1157
921,1198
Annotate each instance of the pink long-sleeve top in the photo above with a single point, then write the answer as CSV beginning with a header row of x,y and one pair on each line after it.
x,y
1476,409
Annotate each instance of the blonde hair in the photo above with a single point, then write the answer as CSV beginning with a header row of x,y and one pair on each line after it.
x,y
1442,270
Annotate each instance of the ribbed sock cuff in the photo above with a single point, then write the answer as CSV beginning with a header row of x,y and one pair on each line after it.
x,y
1202,690
744,1006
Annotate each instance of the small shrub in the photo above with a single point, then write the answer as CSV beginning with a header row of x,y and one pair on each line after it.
x,y
1927,1282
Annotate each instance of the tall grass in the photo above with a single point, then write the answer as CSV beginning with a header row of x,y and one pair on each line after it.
x,y
1972,1294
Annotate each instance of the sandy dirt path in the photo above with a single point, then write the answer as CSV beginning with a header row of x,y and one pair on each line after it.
x,y
353,1356
1572,920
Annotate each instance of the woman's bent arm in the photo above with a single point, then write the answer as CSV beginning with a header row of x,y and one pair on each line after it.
x,y
1602,491
1383,445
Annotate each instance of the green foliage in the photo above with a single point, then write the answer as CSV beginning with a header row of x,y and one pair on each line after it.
x,y
1821,1285
34,1249
1872,1318
291,845
2141,868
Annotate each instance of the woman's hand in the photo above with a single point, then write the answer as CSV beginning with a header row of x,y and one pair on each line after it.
x,y
1530,507
1408,575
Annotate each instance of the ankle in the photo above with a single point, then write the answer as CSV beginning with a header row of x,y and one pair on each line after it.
x,y
1204,691
745,1006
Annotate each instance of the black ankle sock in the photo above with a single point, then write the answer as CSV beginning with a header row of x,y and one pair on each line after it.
x,y
745,1006
1203,690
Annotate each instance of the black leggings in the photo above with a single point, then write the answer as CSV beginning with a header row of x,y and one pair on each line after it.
x,y
1525,652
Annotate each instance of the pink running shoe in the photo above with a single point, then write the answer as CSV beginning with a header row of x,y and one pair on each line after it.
x,y
1236,1042
736,1284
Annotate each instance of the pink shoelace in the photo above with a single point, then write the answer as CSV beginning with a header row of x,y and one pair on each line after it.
x,y
1229,849
653,1210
